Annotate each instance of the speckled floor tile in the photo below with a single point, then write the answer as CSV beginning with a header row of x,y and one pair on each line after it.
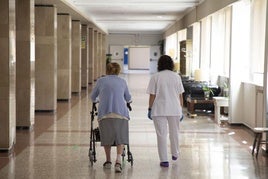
x,y
57,147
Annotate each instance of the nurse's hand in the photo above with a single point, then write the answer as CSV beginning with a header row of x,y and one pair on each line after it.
x,y
182,116
149,113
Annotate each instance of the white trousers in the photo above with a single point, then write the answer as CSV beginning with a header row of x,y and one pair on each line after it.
x,y
163,124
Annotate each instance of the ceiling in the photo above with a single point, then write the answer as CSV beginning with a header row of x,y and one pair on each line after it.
x,y
140,16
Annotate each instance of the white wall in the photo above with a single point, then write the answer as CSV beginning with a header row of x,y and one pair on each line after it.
x,y
117,51
117,43
248,105
155,52
118,55
252,106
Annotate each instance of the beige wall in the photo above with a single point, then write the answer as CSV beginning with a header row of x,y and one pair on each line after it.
x,y
96,63
25,70
64,52
99,55
7,73
76,56
104,54
84,57
46,58
91,51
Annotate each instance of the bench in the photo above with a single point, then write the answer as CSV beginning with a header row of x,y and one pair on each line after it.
x,y
258,139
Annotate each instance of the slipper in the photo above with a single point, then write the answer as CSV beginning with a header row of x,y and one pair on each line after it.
x,y
118,168
107,165
164,164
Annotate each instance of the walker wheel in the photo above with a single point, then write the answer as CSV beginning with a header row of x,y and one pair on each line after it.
x,y
91,157
130,158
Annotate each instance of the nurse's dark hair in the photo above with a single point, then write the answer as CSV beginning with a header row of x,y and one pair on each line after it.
x,y
165,62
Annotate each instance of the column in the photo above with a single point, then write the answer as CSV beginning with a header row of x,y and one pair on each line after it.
x,y
265,81
7,73
84,57
104,54
96,63
46,58
76,56
100,54
25,63
64,54
91,56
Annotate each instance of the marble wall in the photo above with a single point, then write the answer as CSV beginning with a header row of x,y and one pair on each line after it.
x,y
76,56
24,59
46,58
84,57
8,75
64,27
104,54
91,56
96,57
99,55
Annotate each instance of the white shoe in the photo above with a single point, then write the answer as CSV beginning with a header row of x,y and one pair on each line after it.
x,y
118,168
107,165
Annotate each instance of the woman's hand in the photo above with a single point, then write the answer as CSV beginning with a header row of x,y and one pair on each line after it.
x,y
129,107
149,113
182,116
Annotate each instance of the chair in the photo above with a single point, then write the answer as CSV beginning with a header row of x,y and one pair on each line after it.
x,y
258,139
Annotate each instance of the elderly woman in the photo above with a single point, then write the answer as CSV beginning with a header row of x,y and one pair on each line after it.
x,y
165,107
113,95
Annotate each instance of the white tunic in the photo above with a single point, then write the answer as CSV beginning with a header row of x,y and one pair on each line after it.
x,y
167,86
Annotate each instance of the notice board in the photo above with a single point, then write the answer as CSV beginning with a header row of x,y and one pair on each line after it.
x,y
139,58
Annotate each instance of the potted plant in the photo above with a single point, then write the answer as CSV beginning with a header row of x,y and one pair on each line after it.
x,y
207,90
225,90
108,58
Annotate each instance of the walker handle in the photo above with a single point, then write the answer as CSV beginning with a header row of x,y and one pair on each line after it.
x,y
129,107
94,106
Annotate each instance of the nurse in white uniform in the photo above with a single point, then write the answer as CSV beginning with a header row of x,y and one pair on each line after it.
x,y
165,107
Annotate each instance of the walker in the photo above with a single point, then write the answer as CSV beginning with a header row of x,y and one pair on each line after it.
x,y
95,137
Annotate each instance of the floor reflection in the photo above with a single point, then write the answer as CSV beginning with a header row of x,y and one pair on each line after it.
x,y
57,146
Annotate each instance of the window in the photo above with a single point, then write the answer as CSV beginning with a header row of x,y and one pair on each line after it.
x,y
248,44
220,43
205,44
257,45
196,46
181,36
240,40
171,46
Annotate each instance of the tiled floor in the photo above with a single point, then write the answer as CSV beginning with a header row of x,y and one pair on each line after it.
x,y
57,146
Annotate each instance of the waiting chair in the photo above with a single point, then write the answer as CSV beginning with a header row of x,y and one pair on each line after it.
x,y
258,139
